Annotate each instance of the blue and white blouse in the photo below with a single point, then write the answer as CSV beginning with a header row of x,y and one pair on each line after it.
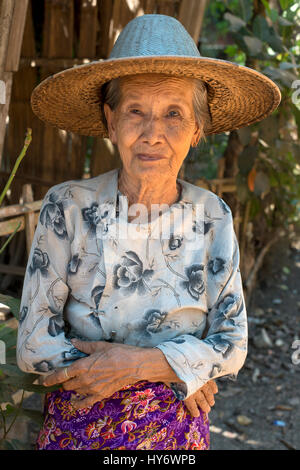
x,y
175,286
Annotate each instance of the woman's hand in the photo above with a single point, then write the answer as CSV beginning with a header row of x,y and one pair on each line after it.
x,y
112,366
108,368
203,398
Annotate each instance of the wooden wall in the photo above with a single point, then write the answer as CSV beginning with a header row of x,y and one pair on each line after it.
x,y
59,34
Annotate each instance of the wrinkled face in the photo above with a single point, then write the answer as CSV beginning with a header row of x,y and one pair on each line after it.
x,y
154,124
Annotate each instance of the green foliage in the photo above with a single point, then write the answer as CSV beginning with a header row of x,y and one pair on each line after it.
x,y
269,41
12,379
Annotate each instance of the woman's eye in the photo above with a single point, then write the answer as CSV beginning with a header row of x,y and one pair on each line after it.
x,y
135,111
173,114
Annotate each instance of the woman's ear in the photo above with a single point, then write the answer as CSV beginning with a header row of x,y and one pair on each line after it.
x,y
110,119
197,135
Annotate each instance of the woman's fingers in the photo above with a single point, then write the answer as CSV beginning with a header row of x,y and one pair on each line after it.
x,y
192,406
84,403
90,347
208,394
202,401
213,386
59,376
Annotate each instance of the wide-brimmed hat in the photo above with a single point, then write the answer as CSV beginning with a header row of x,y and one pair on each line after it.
x,y
237,95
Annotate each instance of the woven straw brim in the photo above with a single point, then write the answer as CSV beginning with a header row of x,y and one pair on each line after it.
x,y
237,95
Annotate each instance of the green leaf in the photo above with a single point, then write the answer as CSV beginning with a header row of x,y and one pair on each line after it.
x,y
273,14
254,45
246,9
288,65
13,444
285,4
266,5
235,23
284,22
261,184
284,76
8,335
247,158
244,135
10,409
26,384
266,33
12,303
14,371
274,40
34,415
260,27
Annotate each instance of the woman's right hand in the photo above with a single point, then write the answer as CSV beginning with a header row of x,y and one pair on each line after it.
x,y
203,398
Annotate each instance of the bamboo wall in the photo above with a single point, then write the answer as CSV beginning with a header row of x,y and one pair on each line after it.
x,y
60,34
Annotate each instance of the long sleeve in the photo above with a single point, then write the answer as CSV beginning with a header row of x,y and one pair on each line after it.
x,y
223,349
42,344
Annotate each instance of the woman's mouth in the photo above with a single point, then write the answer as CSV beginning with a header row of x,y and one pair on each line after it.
x,y
149,157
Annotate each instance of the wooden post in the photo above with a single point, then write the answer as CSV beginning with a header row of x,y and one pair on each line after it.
x,y
88,29
12,21
191,14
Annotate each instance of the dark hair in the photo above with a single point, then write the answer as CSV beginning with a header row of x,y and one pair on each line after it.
x,y
111,95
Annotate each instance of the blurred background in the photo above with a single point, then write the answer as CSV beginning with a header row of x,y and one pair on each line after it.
x,y
256,170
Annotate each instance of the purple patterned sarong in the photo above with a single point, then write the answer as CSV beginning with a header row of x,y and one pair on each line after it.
x,y
144,416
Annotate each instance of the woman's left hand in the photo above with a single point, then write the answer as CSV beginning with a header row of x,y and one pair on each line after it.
x,y
203,398
108,368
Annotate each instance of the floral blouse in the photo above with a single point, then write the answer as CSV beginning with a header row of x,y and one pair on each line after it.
x,y
92,275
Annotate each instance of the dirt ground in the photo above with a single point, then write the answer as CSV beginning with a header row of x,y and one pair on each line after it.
x,y
261,410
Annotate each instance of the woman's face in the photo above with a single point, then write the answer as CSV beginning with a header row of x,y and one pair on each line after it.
x,y
154,124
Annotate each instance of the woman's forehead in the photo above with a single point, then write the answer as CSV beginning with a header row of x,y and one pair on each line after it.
x,y
133,86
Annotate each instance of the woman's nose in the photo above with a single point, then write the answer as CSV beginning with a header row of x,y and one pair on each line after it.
x,y
152,131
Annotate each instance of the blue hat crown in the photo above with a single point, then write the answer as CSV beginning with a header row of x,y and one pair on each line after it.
x,y
154,35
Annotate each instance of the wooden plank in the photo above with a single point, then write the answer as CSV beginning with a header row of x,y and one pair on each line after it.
x,y
191,14
18,209
58,28
16,270
9,226
105,16
6,14
166,7
53,63
6,78
104,157
28,179
63,153
88,28
148,6
16,36
122,13
21,117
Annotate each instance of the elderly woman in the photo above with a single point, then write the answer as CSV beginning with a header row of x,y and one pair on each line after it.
x,y
133,298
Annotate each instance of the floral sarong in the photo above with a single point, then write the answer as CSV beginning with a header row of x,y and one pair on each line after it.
x,y
144,416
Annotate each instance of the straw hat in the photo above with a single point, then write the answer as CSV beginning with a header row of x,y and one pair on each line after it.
x,y
237,95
